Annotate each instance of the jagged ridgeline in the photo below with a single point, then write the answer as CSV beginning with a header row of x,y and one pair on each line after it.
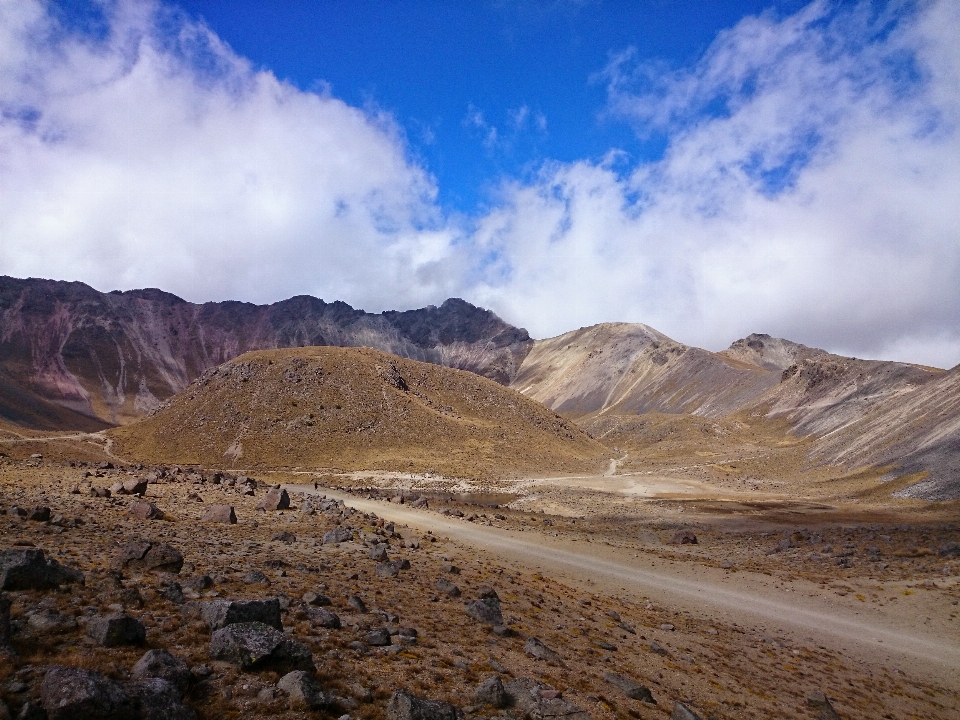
x,y
356,408
72,357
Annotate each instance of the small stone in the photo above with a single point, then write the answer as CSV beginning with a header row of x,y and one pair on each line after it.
x,y
116,629
447,588
357,604
135,487
821,704
404,706
39,514
491,692
220,514
143,510
536,649
682,712
164,665
630,688
379,637
159,699
338,535
667,627
485,610
379,553
304,691
683,537
312,598
391,568
322,617
146,555
51,622
256,577
286,537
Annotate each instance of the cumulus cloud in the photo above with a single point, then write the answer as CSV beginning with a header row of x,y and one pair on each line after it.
x,y
809,189
155,156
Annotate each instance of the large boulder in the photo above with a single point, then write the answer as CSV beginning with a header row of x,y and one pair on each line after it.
x,y
486,608
148,555
143,510
28,569
220,514
255,646
220,613
491,692
404,706
304,691
116,629
322,617
275,499
164,665
71,693
159,699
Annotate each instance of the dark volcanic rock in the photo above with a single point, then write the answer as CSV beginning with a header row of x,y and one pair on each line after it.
x,y
28,569
71,693
486,608
447,588
338,535
159,699
275,500
633,690
220,613
404,706
682,712
147,555
391,568
255,646
116,629
304,691
164,665
491,692
534,699
322,617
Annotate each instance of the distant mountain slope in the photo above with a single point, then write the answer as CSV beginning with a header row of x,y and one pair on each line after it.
x,y
913,431
356,408
630,369
71,356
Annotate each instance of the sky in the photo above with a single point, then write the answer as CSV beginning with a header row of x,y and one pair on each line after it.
x,y
710,169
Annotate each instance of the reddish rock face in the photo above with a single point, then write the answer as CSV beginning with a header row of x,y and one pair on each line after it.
x,y
77,358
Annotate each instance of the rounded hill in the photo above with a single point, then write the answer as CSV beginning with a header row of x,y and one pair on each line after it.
x,y
355,409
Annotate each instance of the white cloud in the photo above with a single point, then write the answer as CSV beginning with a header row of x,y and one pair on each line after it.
x,y
158,157
809,189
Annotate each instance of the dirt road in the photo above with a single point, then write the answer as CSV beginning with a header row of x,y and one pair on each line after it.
x,y
799,610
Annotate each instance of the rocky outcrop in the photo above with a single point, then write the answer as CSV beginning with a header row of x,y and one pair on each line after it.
x,y
74,357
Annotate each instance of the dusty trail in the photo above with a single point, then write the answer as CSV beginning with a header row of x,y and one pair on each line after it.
x,y
873,636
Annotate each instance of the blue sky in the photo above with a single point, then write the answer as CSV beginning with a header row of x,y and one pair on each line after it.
x,y
710,169
481,89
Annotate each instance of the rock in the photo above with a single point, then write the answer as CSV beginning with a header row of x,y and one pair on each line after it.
x,y
683,537
147,555
379,553
323,618
255,646
220,514
338,535
391,568
200,583
447,588
486,609
135,487
5,625
28,569
304,691
491,692
312,598
116,629
172,592
274,500
117,488
72,693
287,537
220,613
39,514
51,622
668,627
404,706
357,604
159,699
682,712
143,510
534,699
256,577
630,688
420,502
821,704
378,637
536,649
164,665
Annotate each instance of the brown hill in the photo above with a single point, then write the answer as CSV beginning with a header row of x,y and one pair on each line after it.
x,y
73,357
356,409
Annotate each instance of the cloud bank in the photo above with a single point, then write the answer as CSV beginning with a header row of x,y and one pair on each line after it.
x,y
809,187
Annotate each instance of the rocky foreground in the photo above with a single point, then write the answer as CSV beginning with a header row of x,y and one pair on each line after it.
x,y
161,593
